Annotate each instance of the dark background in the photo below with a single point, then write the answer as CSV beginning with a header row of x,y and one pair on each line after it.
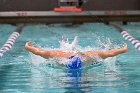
x,y
47,5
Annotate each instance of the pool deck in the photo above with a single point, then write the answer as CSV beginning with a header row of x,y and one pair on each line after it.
x,y
50,17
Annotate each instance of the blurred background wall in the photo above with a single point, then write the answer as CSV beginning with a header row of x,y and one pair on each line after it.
x,y
47,5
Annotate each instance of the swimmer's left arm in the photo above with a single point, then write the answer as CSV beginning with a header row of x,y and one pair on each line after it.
x,y
108,53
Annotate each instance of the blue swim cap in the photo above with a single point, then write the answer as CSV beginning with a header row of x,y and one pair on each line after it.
x,y
74,62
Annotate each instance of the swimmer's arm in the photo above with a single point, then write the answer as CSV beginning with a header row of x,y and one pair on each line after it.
x,y
36,50
47,53
108,53
59,54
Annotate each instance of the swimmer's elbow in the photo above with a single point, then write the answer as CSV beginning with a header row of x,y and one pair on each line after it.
x,y
110,54
42,54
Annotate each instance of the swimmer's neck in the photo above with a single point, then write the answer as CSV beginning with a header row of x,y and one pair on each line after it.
x,y
88,53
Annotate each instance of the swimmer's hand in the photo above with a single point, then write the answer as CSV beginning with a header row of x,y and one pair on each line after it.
x,y
125,48
28,45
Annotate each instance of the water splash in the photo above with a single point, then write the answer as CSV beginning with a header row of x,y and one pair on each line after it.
x,y
67,46
104,43
74,47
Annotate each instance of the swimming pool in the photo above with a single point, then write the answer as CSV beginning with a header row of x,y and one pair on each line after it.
x,y
116,75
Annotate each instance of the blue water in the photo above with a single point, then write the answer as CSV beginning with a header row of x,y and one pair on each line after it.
x,y
116,75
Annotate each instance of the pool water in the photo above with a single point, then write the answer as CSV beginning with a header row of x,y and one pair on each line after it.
x,y
120,74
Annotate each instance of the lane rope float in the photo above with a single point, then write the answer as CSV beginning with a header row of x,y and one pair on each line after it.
x,y
127,36
11,40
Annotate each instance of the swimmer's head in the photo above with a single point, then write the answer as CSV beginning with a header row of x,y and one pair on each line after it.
x,y
74,63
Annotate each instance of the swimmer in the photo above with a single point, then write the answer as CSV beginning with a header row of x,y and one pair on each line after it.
x,y
75,60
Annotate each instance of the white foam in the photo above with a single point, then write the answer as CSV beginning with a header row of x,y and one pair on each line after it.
x,y
36,60
67,46
109,64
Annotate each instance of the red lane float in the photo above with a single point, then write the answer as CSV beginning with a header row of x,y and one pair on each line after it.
x,y
66,9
